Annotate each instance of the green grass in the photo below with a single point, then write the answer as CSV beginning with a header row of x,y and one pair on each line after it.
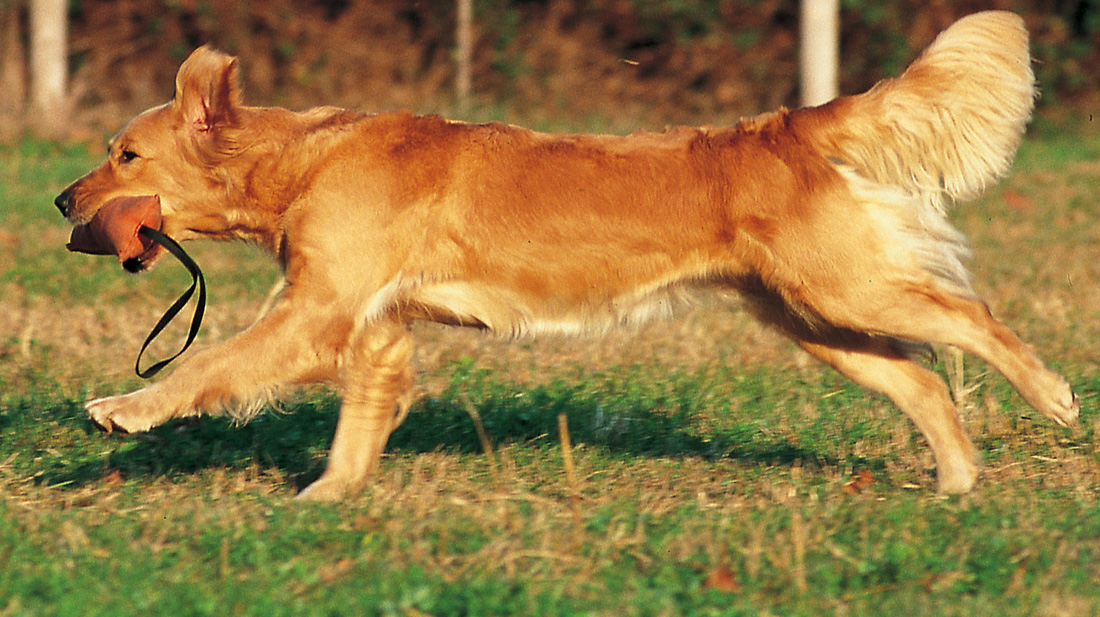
x,y
737,463
196,518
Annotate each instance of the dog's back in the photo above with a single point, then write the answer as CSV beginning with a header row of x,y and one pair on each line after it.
x,y
643,213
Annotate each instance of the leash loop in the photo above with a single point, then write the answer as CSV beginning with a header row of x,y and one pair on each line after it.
x,y
198,282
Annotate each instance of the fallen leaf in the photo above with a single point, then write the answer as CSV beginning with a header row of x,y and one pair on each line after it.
x,y
722,579
1018,202
860,483
330,572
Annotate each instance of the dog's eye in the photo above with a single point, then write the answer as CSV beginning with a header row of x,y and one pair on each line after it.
x,y
127,156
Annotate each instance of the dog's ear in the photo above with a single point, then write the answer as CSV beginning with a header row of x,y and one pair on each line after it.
x,y
207,93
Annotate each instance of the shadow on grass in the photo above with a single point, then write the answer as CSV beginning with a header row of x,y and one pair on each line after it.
x,y
620,413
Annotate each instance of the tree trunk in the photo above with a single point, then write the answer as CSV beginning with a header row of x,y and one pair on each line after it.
x,y
49,111
13,70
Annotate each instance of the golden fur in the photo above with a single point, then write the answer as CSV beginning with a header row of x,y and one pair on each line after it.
x,y
831,221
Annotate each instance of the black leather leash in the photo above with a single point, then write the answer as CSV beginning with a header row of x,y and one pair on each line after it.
x,y
199,282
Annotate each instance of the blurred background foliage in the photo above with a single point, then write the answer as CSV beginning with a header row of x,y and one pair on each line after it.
x,y
626,61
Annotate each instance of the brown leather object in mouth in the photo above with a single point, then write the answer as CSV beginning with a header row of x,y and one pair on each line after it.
x,y
114,228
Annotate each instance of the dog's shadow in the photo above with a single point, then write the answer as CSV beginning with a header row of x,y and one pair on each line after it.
x,y
294,443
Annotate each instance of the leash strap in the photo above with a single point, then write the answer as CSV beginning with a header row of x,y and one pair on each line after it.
x,y
198,281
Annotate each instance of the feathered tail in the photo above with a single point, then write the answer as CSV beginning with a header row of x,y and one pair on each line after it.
x,y
951,123
943,131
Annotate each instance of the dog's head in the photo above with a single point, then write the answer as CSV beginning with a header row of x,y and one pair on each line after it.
x,y
173,152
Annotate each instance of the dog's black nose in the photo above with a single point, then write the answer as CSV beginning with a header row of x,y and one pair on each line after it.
x,y
63,202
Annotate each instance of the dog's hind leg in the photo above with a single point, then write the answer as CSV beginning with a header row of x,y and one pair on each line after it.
x,y
876,364
377,384
927,314
882,364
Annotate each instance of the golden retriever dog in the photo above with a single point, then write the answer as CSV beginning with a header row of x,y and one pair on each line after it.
x,y
830,221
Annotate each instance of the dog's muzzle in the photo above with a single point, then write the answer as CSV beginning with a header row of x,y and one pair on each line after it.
x,y
64,202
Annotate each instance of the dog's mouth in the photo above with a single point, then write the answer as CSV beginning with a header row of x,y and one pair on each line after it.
x,y
115,230
143,262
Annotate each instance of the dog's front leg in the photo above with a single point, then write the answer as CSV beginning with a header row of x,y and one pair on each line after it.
x,y
291,344
377,381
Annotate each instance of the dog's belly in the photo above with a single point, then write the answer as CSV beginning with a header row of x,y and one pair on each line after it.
x,y
514,314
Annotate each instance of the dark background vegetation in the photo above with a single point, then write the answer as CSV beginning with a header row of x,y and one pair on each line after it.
x,y
627,61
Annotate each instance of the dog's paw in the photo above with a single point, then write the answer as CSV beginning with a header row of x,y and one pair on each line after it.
x,y
324,489
958,480
958,471
128,413
1064,407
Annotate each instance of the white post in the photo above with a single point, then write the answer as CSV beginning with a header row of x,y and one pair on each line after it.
x,y
820,50
49,67
465,40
